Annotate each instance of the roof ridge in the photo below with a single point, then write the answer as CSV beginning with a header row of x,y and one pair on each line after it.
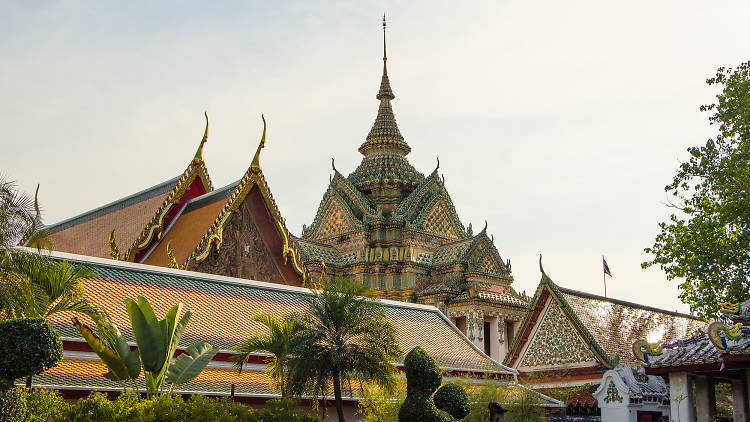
x,y
57,226
627,303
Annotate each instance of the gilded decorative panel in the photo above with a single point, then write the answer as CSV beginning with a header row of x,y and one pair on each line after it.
x,y
335,221
439,221
556,342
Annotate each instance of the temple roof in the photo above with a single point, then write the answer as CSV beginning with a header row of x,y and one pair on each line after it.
x,y
608,327
223,308
88,233
717,346
136,220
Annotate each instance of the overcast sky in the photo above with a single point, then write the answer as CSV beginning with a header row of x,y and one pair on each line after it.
x,y
559,123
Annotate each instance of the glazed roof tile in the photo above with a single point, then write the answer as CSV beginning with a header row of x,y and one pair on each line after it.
x,y
616,324
221,304
316,252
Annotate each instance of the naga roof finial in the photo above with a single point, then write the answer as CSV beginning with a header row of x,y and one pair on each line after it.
x,y
199,154
333,164
114,252
255,166
438,163
544,275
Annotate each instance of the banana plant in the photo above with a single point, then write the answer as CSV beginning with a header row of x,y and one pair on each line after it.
x,y
157,342
123,364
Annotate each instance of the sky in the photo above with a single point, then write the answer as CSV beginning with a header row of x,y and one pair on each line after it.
x,y
558,123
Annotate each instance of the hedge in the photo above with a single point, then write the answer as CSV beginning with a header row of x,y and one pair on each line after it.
x,y
47,405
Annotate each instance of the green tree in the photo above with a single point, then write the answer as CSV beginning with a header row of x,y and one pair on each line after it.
x,y
279,342
706,241
347,336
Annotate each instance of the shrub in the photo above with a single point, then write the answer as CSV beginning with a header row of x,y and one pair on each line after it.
x,y
28,346
422,379
452,398
381,404
282,410
96,407
48,405
12,405
43,405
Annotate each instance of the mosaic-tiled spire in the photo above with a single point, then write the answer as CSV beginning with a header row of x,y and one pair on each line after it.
x,y
384,149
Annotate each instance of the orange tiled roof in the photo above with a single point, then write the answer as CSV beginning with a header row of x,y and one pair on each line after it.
x,y
88,233
189,227
223,308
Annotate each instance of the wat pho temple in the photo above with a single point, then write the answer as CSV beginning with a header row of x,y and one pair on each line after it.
x,y
226,253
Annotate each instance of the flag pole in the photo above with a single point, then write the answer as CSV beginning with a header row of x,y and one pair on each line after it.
x,y
604,278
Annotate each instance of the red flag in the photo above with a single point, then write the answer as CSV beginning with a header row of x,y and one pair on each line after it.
x,y
606,267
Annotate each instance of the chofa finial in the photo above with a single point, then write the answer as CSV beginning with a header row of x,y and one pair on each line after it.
x,y
544,275
199,153
255,166
333,164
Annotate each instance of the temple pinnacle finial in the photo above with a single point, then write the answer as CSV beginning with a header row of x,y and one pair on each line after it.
x,y
385,56
385,86
199,154
255,166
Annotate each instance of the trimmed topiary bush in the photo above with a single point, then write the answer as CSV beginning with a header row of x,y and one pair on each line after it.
x,y
453,399
28,346
12,406
422,379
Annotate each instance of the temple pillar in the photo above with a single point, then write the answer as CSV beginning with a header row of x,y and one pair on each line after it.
x,y
475,328
739,400
681,397
497,325
705,398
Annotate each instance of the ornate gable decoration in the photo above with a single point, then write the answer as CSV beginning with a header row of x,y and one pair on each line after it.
x,y
430,209
253,178
195,180
354,199
334,217
555,342
548,289
482,257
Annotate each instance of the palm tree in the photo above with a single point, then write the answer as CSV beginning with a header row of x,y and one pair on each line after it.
x,y
346,336
31,284
20,219
35,286
279,342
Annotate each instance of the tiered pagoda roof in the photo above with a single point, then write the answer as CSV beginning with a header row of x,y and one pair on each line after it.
x,y
189,223
136,220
